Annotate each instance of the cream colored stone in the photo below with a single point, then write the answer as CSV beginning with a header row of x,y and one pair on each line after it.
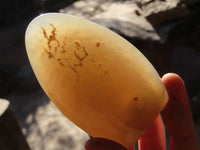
x,y
95,77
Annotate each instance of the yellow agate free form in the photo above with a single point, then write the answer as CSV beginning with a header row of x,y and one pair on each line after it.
x,y
95,77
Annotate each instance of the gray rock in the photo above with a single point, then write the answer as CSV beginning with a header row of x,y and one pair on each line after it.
x,y
145,19
120,16
159,12
43,124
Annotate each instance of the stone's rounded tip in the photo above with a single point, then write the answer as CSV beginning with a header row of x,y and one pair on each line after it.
x,y
95,77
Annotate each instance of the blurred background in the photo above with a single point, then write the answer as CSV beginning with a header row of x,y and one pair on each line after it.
x,y
167,32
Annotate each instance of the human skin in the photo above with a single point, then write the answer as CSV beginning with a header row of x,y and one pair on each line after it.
x,y
178,118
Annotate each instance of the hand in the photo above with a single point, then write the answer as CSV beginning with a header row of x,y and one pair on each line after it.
x,y
178,117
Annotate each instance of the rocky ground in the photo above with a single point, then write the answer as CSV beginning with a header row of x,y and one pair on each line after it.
x,y
167,33
43,124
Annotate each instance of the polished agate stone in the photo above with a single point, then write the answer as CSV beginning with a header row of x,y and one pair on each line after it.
x,y
97,79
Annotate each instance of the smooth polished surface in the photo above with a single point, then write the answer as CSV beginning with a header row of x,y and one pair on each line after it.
x,y
95,77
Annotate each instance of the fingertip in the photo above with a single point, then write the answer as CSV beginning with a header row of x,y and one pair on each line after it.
x,y
173,82
176,89
173,76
